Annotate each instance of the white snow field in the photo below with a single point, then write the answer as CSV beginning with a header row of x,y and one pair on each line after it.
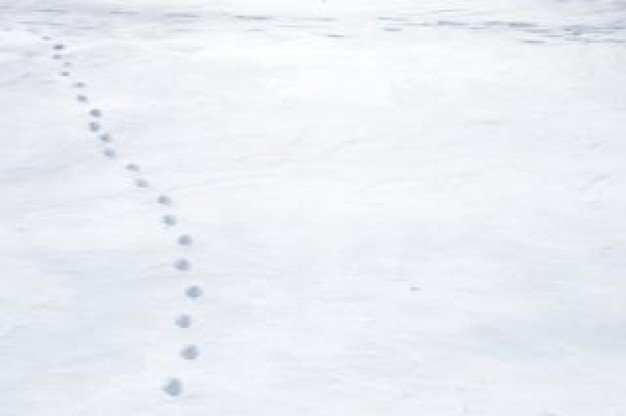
x,y
387,208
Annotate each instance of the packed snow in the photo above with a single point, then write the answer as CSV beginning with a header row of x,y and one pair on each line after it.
x,y
324,208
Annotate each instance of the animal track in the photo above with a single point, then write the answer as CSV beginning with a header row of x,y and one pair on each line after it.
x,y
183,321
182,265
194,292
106,138
133,167
190,352
108,152
141,183
170,220
184,240
173,387
164,200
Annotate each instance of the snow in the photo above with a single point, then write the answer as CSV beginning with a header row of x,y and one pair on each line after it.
x,y
327,208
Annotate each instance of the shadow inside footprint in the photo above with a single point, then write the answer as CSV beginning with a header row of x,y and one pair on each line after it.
x,y
182,265
108,152
93,126
106,138
169,220
81,98
95,112
184,240
164,200
194,292
173,387
183,321
133,167
141,183
190,352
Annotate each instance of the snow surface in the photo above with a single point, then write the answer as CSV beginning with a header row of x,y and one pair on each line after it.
x,y
392,208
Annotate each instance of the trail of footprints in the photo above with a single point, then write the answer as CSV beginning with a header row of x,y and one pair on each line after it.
x,y
172,386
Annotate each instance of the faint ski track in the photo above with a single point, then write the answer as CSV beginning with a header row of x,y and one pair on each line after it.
x,y
469,21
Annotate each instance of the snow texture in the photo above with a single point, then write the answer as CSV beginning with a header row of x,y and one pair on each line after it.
x,y
324,208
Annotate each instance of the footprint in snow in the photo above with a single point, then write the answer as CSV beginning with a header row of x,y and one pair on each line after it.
x,y
106,138
108,152
182,265
173,387
169,220
164,200
190,352
194,292
183,321
133,167
141,183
